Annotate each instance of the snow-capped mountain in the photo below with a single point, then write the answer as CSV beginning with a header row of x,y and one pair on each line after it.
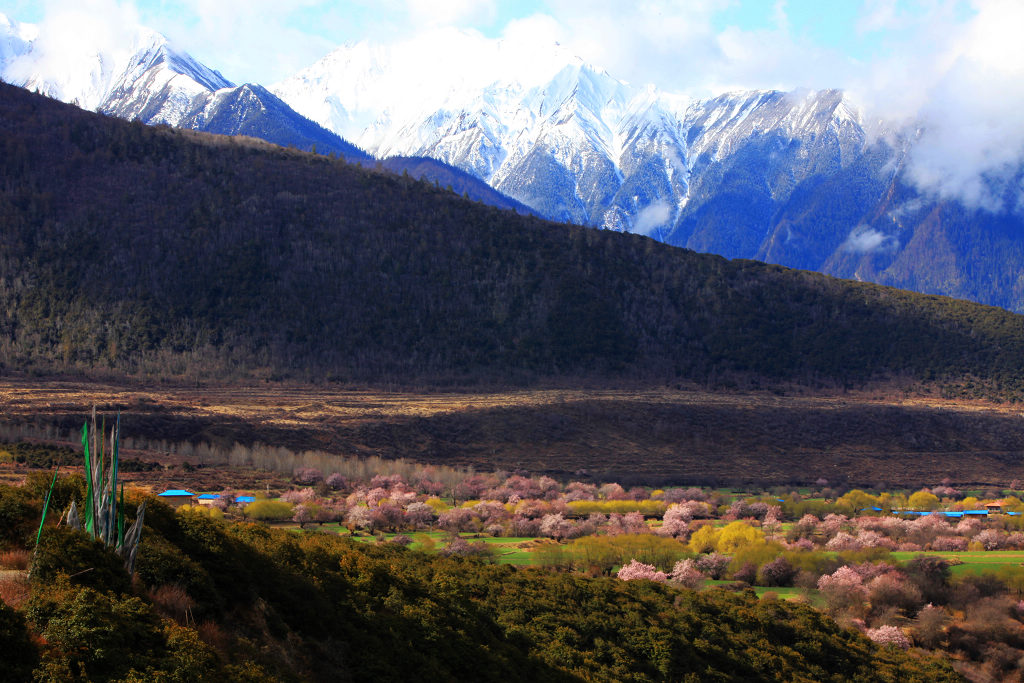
x,y
791,178
150,80
580,146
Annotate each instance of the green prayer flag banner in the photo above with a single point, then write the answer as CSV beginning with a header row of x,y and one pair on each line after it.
x,y
46,506
90,524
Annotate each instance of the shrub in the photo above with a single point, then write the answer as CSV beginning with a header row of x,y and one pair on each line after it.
x,y
14,590
307,476
15,559
458,546
746,573
89,562
173,601
19,653
266,510
893,590
778,572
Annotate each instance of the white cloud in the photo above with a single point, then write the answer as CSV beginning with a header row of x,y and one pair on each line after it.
x,y
864,239
71,35
451,12
652,217
972,143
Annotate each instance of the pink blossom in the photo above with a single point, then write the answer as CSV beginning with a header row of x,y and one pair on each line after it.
x,y
843,541
990,539
888,635
844,578
948,543
297,496
639,570
555,526
685,573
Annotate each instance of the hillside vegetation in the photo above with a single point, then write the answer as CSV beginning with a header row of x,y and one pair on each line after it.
x,y
127,249
241,602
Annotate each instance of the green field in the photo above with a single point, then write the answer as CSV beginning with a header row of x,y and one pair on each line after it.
x,y
506,550
976,561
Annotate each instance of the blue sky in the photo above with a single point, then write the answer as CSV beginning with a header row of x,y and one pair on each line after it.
x,y
676,44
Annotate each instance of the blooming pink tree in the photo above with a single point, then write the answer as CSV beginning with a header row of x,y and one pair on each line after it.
x,y
638,570
713,564
843,590
419,514
685,573
948,543
842,541
889,635
676,521
296,496
613,492
302,515
990,539
629,523
555,526
577,490
358,517
456,519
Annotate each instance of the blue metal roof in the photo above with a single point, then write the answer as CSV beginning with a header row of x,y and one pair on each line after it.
x,y
245,499
209,496
176,492
975,512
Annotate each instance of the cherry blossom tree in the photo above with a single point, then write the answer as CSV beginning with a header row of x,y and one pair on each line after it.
x,y
843,589
336,482
638,570
888,635
685,573
555,526
713,564
419,514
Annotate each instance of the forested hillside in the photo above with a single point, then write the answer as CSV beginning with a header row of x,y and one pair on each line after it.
x,y
130,249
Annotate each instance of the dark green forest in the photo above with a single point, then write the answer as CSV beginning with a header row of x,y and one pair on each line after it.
x,y
218,601
165,253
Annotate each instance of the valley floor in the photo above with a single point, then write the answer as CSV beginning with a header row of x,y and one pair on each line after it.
x,y
654,435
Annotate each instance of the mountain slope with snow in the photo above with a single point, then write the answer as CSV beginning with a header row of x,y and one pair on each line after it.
x,y
792,178
150,80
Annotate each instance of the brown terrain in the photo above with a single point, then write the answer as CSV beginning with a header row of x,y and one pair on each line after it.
x,y
656,435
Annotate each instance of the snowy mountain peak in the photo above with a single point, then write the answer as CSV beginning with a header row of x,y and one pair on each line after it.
x,y
96,74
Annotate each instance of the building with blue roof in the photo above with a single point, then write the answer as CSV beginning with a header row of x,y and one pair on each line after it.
x,y
176,497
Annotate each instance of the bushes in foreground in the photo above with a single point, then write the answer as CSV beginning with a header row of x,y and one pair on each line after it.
x,y
244,602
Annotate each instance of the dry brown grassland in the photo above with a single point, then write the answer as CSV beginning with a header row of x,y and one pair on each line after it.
x,y
660,435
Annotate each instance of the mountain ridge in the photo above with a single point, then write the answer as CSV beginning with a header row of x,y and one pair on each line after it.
x,y
235,258
801,179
